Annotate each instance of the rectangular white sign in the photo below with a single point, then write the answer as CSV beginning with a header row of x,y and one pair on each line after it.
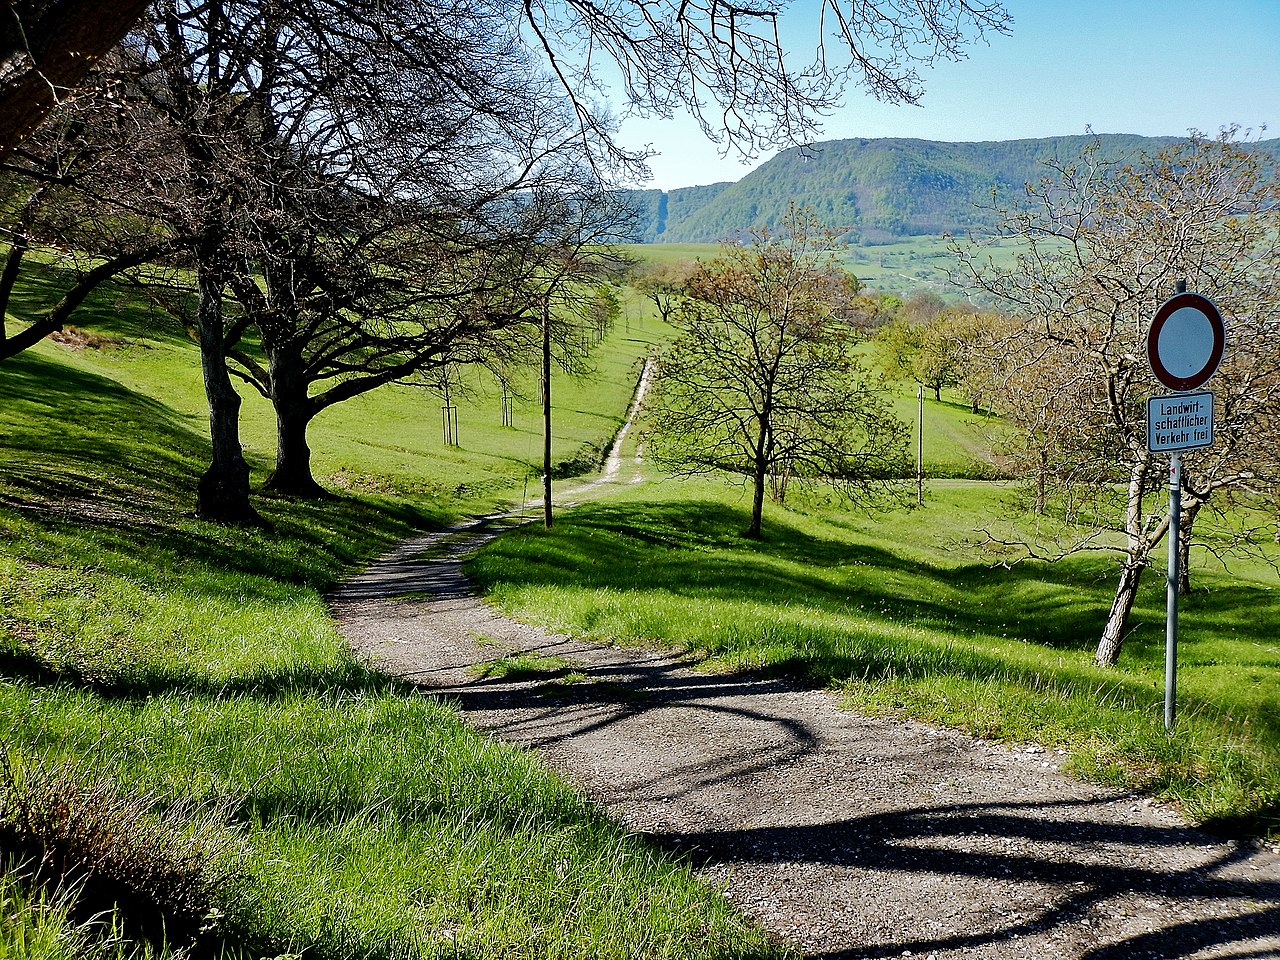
x,y
1180,421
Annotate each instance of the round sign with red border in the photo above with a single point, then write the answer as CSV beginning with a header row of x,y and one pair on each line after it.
x,y
1186,341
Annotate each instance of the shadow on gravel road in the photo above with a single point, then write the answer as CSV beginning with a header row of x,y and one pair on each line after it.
x,y
933,840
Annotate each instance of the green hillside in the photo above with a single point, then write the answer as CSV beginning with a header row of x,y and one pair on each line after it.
x,y
194,762
660,210
874,190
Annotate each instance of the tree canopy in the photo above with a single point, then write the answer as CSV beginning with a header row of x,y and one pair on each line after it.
x,y
762,382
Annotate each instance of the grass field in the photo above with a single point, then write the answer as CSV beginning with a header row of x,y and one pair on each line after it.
x,y
915,264
178,710
905,613
389,440
244,778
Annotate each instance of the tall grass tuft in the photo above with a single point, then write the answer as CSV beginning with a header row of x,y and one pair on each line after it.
x,y
153,868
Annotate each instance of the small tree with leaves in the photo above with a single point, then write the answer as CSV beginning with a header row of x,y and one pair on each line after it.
x,y
763,381
665,285
936,352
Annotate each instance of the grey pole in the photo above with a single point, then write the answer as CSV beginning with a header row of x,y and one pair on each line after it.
x,y
920,449
1171,602
1171,588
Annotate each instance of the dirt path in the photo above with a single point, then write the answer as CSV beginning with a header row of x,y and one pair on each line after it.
x,y
846,836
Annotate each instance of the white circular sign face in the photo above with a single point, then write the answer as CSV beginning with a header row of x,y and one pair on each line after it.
x,y
1186,341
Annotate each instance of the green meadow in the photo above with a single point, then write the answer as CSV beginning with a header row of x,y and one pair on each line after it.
x,y
180,716
905,612
250,789
901,268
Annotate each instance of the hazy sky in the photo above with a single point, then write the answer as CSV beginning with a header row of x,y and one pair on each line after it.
x,y
1152,67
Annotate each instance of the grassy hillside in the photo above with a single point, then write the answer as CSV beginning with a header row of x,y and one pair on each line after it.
x,y
390,440
879,190
243,784
178,711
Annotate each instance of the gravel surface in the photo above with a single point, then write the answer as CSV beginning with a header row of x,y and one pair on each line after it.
x,y
845,836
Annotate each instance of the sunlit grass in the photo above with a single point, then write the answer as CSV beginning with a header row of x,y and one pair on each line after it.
x,y
523,666
186,663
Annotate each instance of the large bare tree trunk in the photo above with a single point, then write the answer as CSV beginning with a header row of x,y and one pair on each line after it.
x,y
1139,552
1113,633
223,491
292,475
1137,558
47,47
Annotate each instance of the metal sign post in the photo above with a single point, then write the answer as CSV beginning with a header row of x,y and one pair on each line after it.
x,y
1171,602
1184,346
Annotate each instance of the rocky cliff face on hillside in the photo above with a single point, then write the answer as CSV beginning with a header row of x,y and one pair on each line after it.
x,y
874,190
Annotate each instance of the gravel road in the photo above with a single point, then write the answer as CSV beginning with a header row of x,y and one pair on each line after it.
x,y
843,835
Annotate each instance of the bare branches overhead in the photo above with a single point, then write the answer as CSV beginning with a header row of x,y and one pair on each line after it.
x,y
46,48
739,68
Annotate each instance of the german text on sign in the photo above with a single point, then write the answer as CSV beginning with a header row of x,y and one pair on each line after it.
x,y
1180,421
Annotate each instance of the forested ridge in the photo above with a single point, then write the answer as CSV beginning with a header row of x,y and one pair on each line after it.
x,y
875,190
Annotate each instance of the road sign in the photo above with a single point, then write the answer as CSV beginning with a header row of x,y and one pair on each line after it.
x,y
1185,346
1180,421
1185,341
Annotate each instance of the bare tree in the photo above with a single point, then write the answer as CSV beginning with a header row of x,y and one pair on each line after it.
x,y
1104,244
763,380
73,193
341,314
323,144
263,97
727,65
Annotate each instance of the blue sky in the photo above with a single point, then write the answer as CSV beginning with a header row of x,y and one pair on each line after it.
x,y
1152,67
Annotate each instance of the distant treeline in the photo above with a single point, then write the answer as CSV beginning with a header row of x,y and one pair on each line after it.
x,y
874,191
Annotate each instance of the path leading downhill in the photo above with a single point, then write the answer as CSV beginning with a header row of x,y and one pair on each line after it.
x,y
846,836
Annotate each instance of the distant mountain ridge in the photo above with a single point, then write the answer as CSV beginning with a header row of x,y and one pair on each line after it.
x,y
875,191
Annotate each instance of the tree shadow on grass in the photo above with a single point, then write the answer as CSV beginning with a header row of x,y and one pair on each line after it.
x,y
139,683
71,431
612,546
691,551
129,489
